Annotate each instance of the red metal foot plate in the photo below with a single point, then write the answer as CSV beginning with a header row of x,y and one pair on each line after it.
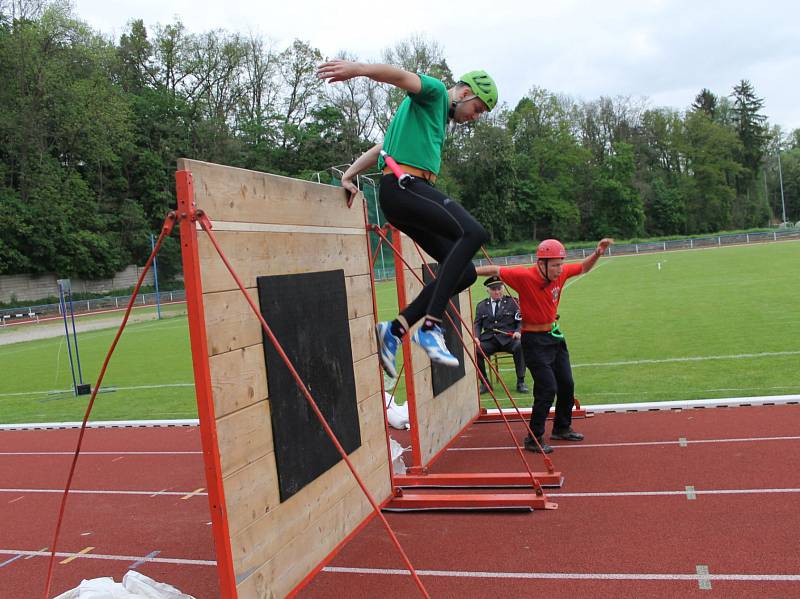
x,y
469,501
485,479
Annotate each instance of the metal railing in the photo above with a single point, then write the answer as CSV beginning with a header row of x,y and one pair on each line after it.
x,y
101,304
660,246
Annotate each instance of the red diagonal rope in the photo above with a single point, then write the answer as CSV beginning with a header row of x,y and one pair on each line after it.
x,y
166,229
206,225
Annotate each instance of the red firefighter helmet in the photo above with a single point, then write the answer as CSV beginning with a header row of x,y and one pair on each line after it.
x,y
551,248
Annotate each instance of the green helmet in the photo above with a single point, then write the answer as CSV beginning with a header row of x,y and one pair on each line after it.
x,y
482,85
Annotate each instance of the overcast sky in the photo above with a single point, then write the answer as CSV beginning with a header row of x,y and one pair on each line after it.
x,y
665,50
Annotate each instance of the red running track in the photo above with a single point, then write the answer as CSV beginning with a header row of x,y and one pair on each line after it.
x,y
627,525
655,504
152,504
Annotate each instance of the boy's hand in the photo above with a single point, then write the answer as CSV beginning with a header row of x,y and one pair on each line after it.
x,y
338,70
352,190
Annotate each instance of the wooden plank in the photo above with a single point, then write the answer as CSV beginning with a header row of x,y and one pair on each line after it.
x,y
244,437
450,414
256,544
362,338
239,195
367,373
255,254
238,379
279,575
231,324
251,492
359,296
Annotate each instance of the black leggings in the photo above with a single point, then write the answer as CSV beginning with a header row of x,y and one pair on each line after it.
x,y
444,230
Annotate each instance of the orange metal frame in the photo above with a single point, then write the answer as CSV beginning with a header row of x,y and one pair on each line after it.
x,y
202,381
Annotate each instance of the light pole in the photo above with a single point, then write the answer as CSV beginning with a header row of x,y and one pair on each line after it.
x,y
780,178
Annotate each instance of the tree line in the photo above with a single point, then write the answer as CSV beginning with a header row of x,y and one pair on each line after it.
x,y
91,128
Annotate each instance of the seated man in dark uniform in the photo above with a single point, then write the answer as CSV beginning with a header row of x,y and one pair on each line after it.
x,y
497,328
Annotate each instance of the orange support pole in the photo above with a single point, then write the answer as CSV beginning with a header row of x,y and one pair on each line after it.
x,y
411,397
202,383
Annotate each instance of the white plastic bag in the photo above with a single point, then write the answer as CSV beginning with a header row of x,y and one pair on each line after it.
x,y
135,585
398,465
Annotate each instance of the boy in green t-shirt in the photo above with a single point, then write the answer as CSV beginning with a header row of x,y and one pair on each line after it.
x,y
436,222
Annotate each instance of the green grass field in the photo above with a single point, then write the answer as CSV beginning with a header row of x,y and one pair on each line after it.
x,y
709,323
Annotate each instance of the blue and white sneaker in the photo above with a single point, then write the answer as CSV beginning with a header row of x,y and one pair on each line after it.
x,y
432,341
387,347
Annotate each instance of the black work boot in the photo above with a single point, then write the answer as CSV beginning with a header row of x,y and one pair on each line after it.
x,y
530,445
522,387
566,435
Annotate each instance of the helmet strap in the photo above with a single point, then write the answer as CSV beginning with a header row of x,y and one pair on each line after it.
x,y
543,269
455,103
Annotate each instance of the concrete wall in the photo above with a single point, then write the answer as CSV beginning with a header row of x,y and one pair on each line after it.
x,y
24,288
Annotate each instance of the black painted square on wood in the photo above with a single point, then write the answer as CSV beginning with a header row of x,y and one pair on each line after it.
x,y
442,377
308,314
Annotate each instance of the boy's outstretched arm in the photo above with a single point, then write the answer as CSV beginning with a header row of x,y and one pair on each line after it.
x,y
342,70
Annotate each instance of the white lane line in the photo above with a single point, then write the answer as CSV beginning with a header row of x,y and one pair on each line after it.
x,y
183,494
91,453
663,493
134,388
37,426
567,575
679,442
33,553
688,359
121,558
102,492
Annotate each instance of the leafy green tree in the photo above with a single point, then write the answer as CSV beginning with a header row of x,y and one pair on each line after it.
x,y
484,172
618,208
705,102
711,154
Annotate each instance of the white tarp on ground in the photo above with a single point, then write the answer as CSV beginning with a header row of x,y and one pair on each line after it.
x,y
134,586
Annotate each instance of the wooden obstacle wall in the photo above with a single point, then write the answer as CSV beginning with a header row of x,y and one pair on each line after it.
x,y
271,225
441,417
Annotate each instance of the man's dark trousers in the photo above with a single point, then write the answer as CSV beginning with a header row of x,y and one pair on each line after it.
x,y
547,358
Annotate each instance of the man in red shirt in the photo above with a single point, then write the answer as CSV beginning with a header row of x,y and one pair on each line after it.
x,y
543,345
